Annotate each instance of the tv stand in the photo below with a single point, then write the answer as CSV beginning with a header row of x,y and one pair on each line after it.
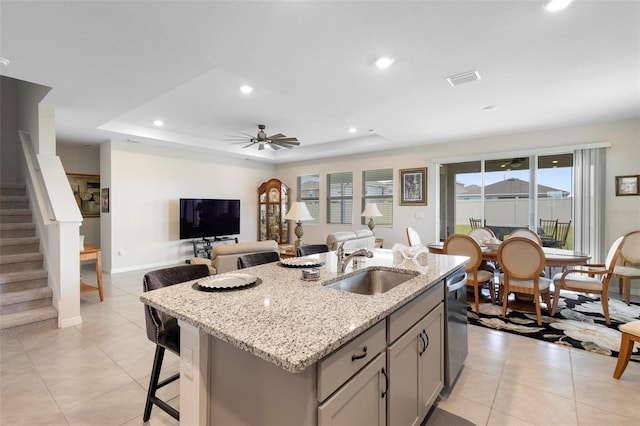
x,y
204,246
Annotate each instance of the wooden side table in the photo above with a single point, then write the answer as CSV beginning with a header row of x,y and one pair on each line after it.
x,y
90,252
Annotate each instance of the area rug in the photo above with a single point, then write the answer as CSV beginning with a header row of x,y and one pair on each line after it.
x,y
578,323
439,417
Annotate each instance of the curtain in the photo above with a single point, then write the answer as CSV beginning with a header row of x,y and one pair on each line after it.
x,y
589,202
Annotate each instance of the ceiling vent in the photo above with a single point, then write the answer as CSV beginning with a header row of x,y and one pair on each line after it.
x,y
465,77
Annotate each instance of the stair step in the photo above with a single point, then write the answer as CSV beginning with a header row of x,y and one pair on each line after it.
x,y
21,262
14,202
19,245
15,215
17,301
14,324
10,189
17,230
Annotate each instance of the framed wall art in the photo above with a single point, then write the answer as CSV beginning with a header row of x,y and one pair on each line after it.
x,y
86,191
628,185
413,187
105,200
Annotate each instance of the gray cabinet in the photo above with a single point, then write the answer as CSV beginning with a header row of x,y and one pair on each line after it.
x,y
361,401
416,361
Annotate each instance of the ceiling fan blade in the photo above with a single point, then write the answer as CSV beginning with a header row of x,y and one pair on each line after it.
x,y
247,146
277,135
247,135
287,143
274,146
261,146
286,139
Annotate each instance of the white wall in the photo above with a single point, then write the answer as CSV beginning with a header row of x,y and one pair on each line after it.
x,y
146,184
623,158
83,160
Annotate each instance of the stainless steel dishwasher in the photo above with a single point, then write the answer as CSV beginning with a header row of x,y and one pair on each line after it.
x,y
455,326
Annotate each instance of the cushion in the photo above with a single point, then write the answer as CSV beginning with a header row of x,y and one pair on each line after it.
x,y
203,261
483,276
627,271
543,283
579,282
632,327
244,248
354,239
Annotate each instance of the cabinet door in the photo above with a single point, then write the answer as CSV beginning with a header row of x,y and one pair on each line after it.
x,y
361,401
404,360
416,370
431,362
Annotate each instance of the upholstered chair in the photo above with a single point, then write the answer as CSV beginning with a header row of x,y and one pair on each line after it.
x,y
526,233
629,264
311,249
255,259
522,260
464,245
413,237
585,281
163,330
482,234
630,334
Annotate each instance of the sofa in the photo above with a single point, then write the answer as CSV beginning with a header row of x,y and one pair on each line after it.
x,y
362,238
224,258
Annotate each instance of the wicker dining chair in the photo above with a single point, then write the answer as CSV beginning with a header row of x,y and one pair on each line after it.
x,y
476,223
562,233
549,227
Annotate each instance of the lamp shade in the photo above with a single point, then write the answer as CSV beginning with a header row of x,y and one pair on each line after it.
x,y
371,210
298,212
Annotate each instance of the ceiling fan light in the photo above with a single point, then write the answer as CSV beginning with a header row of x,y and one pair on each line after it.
x,y
158,123
352,130
246,89
557,5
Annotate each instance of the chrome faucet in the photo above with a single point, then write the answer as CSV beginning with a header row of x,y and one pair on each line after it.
x,y
343,260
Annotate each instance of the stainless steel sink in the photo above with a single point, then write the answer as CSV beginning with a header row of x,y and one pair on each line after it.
x,y
372,281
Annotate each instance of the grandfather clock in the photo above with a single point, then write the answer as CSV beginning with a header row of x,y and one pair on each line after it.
x,y
273,202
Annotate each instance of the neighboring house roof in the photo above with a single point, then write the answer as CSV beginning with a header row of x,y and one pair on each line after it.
x,y
510,188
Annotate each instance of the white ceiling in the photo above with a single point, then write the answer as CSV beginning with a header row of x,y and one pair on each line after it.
x,y
115,66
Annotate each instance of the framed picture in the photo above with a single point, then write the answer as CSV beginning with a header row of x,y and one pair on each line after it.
x,y
413,187
105,200
628,185
86,191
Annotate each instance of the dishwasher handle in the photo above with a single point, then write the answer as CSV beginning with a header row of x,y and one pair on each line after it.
x,y
453,285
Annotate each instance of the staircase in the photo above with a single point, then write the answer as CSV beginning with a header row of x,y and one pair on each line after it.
x,y
25,299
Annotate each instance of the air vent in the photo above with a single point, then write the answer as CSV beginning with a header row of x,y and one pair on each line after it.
x,y
465,77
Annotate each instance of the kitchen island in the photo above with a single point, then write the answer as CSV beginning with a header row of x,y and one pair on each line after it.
x,y
274,353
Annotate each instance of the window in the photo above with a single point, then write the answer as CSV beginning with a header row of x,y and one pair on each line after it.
x,y
377,187
340,198
309,193
506,194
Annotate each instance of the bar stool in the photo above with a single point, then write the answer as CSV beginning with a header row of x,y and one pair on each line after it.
x,y
255,259
164,331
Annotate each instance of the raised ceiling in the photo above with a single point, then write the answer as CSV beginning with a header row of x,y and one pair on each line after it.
x,y
116,66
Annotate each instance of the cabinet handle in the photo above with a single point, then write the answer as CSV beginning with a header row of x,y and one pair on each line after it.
x,y
424,345
359,356
427,336
386,383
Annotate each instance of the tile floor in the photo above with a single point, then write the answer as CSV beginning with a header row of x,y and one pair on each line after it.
x,y
97,374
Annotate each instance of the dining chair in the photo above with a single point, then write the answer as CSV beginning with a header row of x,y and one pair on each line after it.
x,y
413,237
585,281
482,234
562,233
311,249
464,245
548,227
163,330
254,259
522,260
476,223
526,233
628,267
630,334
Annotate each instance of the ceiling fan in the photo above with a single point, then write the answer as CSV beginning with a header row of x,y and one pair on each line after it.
x,y
514,163
274,142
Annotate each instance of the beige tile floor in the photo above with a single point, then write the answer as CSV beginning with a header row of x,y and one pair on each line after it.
x,y
97,374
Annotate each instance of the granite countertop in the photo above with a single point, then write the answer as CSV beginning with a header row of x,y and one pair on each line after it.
x,y
291,322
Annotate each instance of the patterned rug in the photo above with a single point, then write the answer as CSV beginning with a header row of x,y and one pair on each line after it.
x,y
578,323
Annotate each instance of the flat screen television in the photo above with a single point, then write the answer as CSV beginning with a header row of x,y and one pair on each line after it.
x,y
202,218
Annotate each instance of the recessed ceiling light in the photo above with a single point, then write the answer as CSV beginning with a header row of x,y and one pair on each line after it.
x,y
503,165
352,130
158,123
465,77
246,89
4,62
384,62
556,5
490,108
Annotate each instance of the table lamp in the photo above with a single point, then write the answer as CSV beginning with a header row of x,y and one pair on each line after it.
x,y
371,211
298,212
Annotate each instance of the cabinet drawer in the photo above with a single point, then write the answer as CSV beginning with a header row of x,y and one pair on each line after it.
x,y
346,361
401,320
